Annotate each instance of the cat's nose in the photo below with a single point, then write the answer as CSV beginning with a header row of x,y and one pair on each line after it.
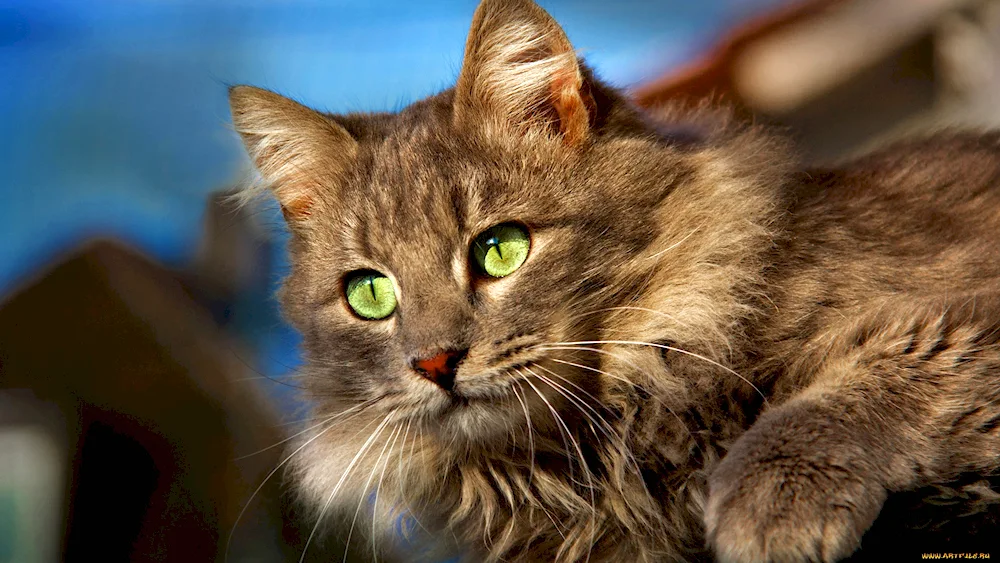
x,y
440,367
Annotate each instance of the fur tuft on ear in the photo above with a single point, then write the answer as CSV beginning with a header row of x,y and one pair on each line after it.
x,y
300,153
520,70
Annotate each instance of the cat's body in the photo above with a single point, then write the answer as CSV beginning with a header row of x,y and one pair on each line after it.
x,y
706,349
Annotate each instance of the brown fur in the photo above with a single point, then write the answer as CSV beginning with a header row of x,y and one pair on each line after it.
x,y
705,344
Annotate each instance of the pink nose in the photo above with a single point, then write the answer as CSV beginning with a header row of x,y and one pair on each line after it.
x,y
440,368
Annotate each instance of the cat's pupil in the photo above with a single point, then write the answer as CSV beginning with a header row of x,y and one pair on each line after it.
x,y
494,243
501,249
371,295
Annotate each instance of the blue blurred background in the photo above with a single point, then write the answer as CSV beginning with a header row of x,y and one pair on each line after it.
x,y
115,121
128,420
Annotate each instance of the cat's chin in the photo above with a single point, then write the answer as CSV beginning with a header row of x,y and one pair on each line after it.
x,y
472,418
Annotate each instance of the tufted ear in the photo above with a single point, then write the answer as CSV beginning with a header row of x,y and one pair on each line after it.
x,y
299,152
520,71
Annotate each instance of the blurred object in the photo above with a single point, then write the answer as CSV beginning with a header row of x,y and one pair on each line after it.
x,y
844,75
799,63
233,277
234,261
156,410
32,479
711,75
234,254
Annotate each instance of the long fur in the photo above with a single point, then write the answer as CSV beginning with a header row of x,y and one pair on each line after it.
x,y
709,351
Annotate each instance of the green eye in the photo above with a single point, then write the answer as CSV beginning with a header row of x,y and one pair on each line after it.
x,y
371,295
501,249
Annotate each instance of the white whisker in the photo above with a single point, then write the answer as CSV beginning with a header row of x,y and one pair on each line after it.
x,y
601,423
676,244
378,489
353,409
264,482
559,423
631,383
555,345
399,462
364,491
531,439
343,478
417,437
583,460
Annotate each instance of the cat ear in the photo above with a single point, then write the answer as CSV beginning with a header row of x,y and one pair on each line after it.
x,y
299,152
520,69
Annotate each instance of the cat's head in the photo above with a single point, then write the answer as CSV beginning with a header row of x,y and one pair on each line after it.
x,y
454,263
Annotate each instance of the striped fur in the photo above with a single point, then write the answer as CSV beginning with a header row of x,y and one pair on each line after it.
x,y
709,351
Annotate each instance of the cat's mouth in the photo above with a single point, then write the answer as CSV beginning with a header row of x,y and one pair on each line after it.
x,y
520,383
477,413
472,393
491,386
517,384
498,389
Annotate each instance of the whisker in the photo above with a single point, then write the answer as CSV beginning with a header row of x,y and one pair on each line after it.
x,y
363,496
613,437
418,436
671,348
558,420
576,401
626,381
531,439
399,461
606,353
262,483
676,244
583,460
378,487
531,446
509,426
353,409
261,374
601,422
578,388
299,421
554,523
336,488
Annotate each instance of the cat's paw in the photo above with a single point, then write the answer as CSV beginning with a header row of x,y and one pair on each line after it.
x,y
787,509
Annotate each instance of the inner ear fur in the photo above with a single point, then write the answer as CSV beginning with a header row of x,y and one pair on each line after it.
x,y
521,71
300,153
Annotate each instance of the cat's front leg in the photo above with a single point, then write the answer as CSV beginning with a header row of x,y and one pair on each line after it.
x,y
907,398
803,484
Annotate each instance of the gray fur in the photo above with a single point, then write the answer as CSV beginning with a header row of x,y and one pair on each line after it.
x,y
763,355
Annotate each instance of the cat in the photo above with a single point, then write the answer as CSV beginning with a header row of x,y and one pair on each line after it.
x,y
554,327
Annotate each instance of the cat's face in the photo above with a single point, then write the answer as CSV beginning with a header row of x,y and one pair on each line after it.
x,y
492,253
454,263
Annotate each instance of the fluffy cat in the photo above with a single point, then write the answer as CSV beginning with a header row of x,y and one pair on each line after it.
x,y
555,327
